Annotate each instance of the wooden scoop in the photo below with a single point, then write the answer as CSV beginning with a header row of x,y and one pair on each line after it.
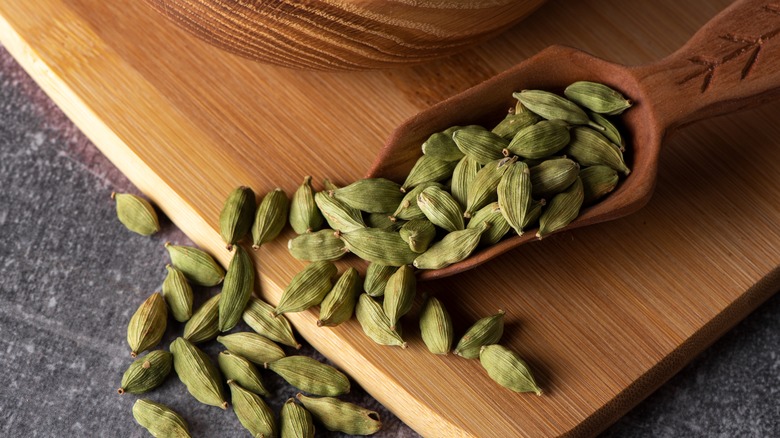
x,y
731,63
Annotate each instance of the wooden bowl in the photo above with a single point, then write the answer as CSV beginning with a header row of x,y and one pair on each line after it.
x,y
344,34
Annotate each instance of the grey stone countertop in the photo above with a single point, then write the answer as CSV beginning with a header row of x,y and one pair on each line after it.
x,y
71,276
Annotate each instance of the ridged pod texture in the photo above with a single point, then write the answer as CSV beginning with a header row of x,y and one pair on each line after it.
x,y
235,219
296,421
307,289
562,209
341,416
379,246
252,347
339,304
235,367
198,373
428,169
270,218
376,278
136,214
198,266
146,373
253,413
160,420
399,294
239,282
178,294
372,195
317,246
305,217
507,369
204,323
311,376
147,325
436,327
486,331
257,315
454,247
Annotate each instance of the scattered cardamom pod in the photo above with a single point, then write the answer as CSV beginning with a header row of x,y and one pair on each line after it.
x,y
462,178
498,228
482,190
251,346
341,416
562,209
596,97
589,148
310,375
372,195
136,214
441,147
375,323
270,218
552,107
597,182
236,368
540,140
239,282
379,246
305,217
198,374
307,288
147,325
339,216
507,369
454,247
427,169
436,327
486,331
146,373
480,144
441,208
376,278
553,176
252,412
514,122
399,294
160,420
258,316
418,233
199,267
235,219
204,324
339,304
178,294
514,195
408,208
296,421
317,246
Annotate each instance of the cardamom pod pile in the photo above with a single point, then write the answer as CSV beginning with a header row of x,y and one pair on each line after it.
x,y
548,158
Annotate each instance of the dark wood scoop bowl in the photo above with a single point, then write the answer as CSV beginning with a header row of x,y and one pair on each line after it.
x,y
732,63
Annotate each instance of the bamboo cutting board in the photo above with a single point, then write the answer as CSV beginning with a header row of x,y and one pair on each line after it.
x,y
603,315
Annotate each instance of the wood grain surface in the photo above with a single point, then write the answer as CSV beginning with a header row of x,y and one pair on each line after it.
x,y
603,314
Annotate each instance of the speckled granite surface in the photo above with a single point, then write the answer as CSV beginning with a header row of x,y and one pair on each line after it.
x,y
71,276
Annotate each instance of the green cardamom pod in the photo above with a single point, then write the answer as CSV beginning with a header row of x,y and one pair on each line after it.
x,y
339,216
379,246
375,323
610,130
596,97
236,368
178,294
239,282
147,325
251,346
589,148
383,222
486,331
399,294
408,208
534,212
296,421
252,412
552,107
562,209
480,144
493,215
305,217
418,233
339,304
146,373
540,140
317,246
310,375
307,289
204,324
428,169
376,278
341,416
514,122
597,182
258,316
235,219
454,247
136,214
198,374
514,195
160,420
199,267
372,195
270,218
441,147
507,369
462,178
329,185
441,208
482,190
436,327
553,176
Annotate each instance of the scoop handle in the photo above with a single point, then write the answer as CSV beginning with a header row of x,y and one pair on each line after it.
x,y
731,63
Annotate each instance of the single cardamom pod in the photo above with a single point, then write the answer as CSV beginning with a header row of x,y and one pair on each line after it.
x,y
507,369
296,421
305,217
147,325
514,122
540,140
310,375
534,212
383,222
428,169
399,294
339,304
235,219
480,144
441,208
408,208
610,130
270,218
597,182
307,288
379,246
198,374
258,316
441,147
589,148
418,233
178,294
199,267
462,178
136,214
482,190
341,416
491,214
436,327
375,323
376,278
454,247
552,107
252,412
562,209
251,346
553,176
514,195
596,97
317,246
372,195
159,420
239,282
339,216
486,331
146,373
204,324
238,369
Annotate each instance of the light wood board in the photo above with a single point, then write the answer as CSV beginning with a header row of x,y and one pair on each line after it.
x,y
603,315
